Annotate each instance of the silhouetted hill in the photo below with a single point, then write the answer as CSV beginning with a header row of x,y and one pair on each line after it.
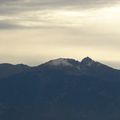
x,y
7,70
62,89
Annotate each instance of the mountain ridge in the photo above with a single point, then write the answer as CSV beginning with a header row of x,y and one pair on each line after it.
x,y
61,89
71,59
67,65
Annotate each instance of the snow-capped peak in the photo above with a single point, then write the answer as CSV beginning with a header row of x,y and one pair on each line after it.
x,y
60,62
64,62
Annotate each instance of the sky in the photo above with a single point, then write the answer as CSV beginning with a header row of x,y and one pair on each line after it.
x,y
35,31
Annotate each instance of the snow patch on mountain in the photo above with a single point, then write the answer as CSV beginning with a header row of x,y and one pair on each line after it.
x,y
60,62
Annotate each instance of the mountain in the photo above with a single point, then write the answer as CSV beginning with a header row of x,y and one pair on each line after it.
x,y
7,70
60,89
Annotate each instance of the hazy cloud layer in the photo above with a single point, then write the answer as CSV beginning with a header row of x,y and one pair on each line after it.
x,y
40,13
16,6
47,29
36,46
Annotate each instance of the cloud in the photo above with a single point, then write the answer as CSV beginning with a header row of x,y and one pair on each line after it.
x,y
4,25
47,13
46,29
13,6
97,19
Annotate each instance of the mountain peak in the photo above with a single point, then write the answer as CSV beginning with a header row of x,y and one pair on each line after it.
x,y
60,61
87,61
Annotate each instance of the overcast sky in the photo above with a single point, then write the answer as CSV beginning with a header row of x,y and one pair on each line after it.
x,y
34,31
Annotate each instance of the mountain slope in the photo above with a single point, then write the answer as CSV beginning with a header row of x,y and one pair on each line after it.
x,y
62,89
7,70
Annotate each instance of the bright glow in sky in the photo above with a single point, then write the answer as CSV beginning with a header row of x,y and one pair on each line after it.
x,y
40,31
